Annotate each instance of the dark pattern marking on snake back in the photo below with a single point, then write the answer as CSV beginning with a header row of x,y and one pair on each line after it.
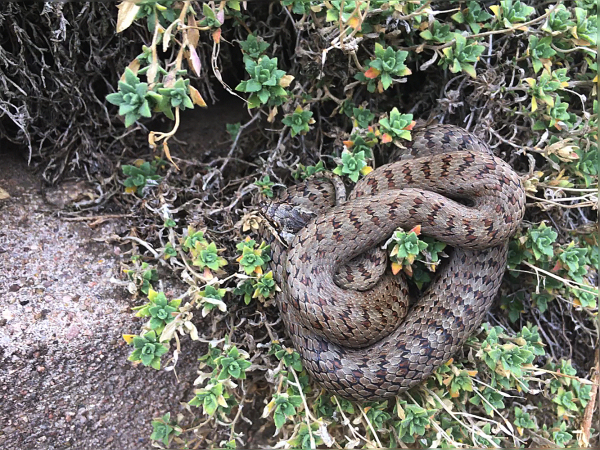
x,y
364,344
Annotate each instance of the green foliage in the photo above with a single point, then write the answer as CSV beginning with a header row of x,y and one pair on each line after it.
x,y
233,365
204,254
210,19
560,436
438,32
297,7
210,397
174,97
148,350
299,121
523,419
133,99
397,126
545,87
253,47
414,423
540,51
302,172
377,415
490,399
386,64
461,56
513,305
587,26
362,117
352,164
540,241
233,129
283,406
265,185
473,15
161,12
510,12
164,428
159,309
559,21
210,298
142,276
289,356
349,9
575,261
252,258
264,287
406,247
302,438
265,83
140,177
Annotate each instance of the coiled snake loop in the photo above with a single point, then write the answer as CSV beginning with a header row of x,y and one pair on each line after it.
x,y
367,342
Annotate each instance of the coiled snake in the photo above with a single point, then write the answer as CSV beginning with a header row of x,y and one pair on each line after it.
x,y
351,328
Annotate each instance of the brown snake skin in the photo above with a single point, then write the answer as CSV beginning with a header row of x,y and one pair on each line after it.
x,y
363,344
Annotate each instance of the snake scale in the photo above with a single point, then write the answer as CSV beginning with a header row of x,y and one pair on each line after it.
x,y
361,338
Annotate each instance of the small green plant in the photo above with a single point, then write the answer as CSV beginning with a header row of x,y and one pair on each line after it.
x,y
474,16
159,309
397,126
289,356
559,21
388,63
586,29
210,298
540,51
210,19
303,172
252,258
133,99
406,246
560,435
267,83
414,421
164,429
161,12
233,129
299,121
253,47
174,97
142,276
303,436
233,365
148,350
540,240
204,254
352,165
210,398
437,32
349,11
510,12
362,117
140,176
461,56
282,406
266,186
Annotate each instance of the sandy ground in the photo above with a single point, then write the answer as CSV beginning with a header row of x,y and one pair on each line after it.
x,y
65,381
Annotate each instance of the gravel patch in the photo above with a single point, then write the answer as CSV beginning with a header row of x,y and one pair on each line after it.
x,y
65,381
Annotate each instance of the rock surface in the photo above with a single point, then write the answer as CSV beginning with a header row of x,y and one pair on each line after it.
x,y
65,381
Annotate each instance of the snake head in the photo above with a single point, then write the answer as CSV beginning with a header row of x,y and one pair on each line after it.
x,y
287,218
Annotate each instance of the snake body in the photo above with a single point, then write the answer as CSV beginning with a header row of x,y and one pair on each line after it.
x,y
368,344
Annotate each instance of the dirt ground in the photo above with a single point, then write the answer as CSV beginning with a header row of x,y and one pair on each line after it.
x,y
65,381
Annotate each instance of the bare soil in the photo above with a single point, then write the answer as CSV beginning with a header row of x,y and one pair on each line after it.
x,y
65,381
